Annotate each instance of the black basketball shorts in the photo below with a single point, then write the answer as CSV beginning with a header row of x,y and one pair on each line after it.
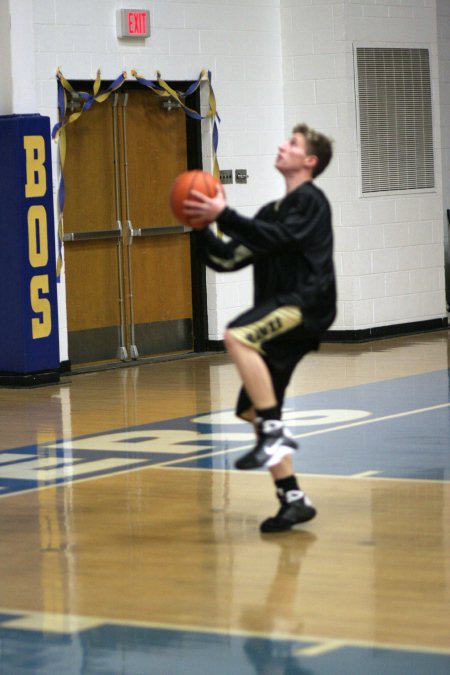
x,y
277,333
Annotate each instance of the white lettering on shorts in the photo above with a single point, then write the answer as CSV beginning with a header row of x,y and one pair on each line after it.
x,y
269,327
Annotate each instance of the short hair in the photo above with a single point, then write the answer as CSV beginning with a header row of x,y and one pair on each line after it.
x,y
316,144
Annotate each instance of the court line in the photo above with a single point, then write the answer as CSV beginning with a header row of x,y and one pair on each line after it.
x,y
337,476
342,476
68,619
317,432
373,420
174,462
364,474
320,648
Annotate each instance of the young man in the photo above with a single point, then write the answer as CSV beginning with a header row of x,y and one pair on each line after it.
x,y
290,245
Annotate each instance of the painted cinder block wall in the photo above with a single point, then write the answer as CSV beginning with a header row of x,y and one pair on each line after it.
x,y
443,28
273,63
389,249
239,43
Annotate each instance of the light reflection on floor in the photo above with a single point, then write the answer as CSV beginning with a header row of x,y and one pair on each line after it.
x,y
390,429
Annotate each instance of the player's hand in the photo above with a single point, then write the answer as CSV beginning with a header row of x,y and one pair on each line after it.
x,y
205,209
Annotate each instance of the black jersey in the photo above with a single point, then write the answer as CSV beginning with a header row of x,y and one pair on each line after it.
x,y
290,244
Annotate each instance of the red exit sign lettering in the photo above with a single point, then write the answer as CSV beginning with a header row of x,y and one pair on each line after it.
x,y
137,23
133,23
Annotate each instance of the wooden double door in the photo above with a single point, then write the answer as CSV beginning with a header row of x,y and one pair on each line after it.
x,y
128,262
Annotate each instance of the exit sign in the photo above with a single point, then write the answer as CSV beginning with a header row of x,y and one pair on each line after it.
x,y
133,23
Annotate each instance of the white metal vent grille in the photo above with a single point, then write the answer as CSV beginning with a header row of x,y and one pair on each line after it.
x,y
395,119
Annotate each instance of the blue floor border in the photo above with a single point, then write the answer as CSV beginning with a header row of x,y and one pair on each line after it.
x,y
110,649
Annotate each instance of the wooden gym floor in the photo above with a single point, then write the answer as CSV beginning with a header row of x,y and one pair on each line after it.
x,y
129,544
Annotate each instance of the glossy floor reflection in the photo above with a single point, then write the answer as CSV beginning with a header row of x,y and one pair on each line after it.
x,y
115,648
129,544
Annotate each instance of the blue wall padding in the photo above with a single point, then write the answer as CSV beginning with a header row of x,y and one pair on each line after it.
x,y
29,340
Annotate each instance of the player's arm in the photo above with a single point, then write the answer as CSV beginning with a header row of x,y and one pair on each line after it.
x,y
300,226
220,255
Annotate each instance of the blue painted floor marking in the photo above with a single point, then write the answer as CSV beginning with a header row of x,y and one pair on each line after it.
x,y
415,446
396,445
117,648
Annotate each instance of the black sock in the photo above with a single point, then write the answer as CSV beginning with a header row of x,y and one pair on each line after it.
x,y
269,413
288,489
287,484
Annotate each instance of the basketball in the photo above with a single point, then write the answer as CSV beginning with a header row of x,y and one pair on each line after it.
x,y
187,181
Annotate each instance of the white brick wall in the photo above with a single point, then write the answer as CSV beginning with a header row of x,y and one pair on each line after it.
x,y
239,42
443,23
388,251
6,106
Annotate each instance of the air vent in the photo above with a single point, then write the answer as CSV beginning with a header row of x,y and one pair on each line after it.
x,y
395,119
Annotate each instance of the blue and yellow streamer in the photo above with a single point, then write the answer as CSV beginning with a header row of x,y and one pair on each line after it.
x,y
98,95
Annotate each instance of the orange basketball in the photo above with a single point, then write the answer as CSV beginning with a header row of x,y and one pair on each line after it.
x,y
187,181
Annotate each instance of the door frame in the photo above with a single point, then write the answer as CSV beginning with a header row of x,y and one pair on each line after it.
x,y
194,160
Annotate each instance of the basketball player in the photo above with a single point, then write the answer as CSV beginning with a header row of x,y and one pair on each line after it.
x,y
290,245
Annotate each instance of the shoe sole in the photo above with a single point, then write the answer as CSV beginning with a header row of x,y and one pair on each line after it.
x,y
289,527
272,460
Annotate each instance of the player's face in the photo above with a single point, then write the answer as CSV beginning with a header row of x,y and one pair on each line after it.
x,y
292,154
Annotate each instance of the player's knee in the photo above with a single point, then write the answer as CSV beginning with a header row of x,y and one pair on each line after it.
x,y
232,343
229,339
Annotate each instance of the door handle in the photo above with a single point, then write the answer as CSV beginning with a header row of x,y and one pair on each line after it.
x,y
155,231
94,234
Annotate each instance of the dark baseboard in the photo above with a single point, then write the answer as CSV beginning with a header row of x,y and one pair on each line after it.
x,y
215,346
65,367
14,380
383,332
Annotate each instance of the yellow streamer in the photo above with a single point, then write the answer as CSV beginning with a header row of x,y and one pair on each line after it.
x,y
99,97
